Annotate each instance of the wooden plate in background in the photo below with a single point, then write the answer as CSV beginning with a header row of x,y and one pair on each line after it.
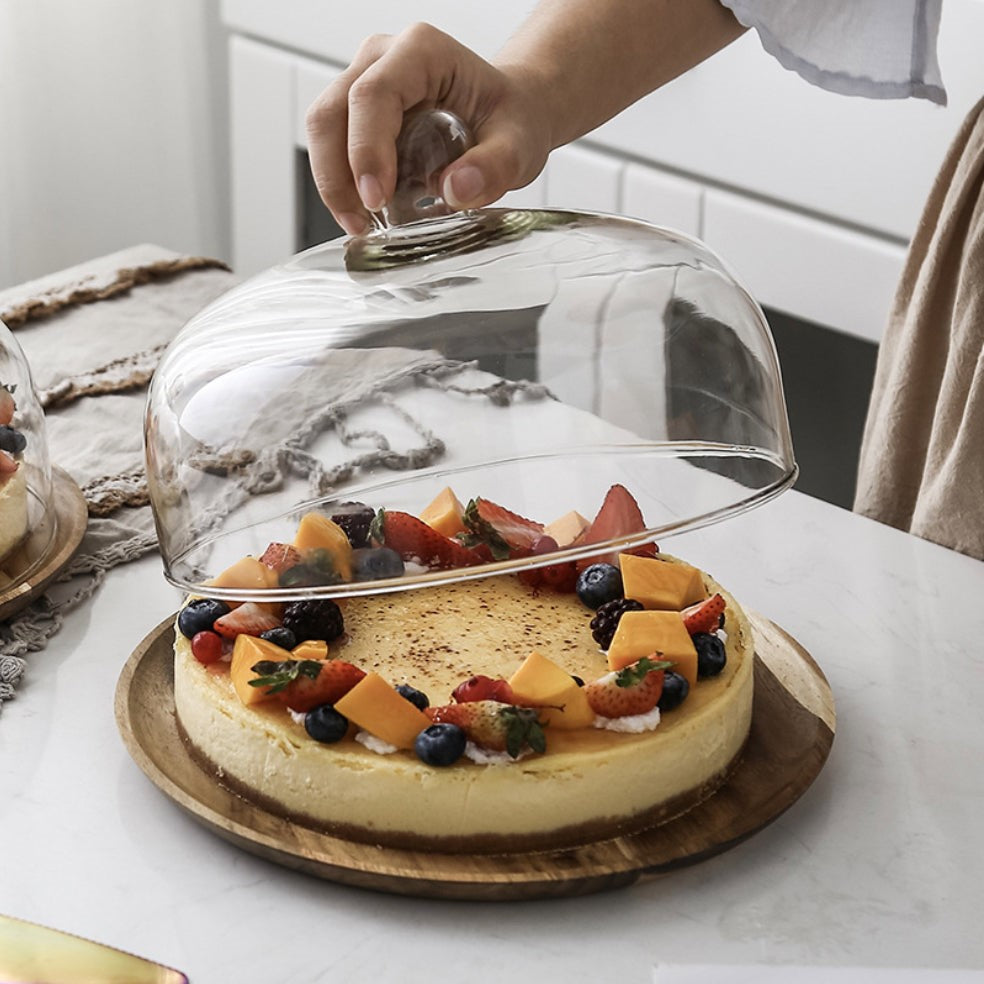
x,y
42,555
792,731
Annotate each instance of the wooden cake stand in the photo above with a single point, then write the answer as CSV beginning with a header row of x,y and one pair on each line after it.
x,y
792,731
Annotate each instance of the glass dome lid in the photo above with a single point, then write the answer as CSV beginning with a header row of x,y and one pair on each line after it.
x,y
534,388
27,514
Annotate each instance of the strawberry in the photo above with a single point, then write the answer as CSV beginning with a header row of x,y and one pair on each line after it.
x,y
413,539
633,690
483,688
303,684
7,406
494,726
618,517
505,533
705,616
281,557
8,465
560,577
250,618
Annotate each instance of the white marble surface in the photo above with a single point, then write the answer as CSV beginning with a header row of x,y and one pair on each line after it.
x,y
879,865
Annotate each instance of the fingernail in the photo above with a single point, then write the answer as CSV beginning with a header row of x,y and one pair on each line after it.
x,y
463,186
353,223
371,193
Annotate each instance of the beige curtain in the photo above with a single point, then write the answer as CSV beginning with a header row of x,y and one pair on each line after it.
x,y
922,460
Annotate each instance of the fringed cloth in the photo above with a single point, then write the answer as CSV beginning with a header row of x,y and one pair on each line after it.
x,y
92,336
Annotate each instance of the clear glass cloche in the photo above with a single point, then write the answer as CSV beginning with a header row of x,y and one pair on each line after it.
x,y
27,515
455,368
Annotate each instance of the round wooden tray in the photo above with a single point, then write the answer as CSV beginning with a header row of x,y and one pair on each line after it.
x,y
792,731
42,554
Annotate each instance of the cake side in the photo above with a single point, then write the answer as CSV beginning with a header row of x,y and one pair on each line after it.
x,y
590,783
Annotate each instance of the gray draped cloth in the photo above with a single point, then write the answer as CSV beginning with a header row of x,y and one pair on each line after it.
x,y
922,459
92,336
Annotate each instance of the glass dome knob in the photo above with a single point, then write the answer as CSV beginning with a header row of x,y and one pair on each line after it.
x,y
428,142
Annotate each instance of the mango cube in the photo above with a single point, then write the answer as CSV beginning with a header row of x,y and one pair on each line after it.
x,y
659,635
317,532
538,679
660,584
247,651
541,683
567,528
376,707
444,513
310,649
247,573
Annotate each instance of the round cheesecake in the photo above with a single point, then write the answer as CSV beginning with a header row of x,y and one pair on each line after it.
x,y
589,784
13,511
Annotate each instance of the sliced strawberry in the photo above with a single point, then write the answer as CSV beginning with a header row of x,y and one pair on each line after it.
x,y
303,684
281,557
483,688
7,406
494,726
413,539
507,534
705,616
619,516
636,689
8,465
251,618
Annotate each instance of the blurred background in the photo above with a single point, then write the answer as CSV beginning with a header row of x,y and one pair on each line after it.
x,y
181,124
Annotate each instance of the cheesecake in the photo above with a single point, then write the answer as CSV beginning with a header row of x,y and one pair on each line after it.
x,y
587,783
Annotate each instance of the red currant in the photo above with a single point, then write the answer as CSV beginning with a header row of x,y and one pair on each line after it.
x,y
206,647
483,688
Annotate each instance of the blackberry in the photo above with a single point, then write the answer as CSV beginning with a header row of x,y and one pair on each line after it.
x,y
354,518
314,618
606,619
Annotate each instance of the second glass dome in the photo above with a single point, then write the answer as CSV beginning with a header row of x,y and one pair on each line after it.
x,y
528,359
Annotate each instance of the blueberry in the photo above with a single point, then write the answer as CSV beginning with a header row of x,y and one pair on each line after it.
x,y
280,637
200,615
675,689
418,698
306,576
599,583
12,440
323,723
440,744
711,656
375,563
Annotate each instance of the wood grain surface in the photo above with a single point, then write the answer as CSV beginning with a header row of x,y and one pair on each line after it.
x,y
46,552
793,725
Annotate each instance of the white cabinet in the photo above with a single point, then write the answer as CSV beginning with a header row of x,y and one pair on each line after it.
x,y
818,271
809,196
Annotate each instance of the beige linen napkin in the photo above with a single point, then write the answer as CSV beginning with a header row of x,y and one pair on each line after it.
x,y
92,336
922,458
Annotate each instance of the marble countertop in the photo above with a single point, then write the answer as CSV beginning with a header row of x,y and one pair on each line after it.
x,y
877,866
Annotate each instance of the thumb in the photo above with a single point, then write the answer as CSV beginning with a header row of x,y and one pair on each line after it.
x,y
496,164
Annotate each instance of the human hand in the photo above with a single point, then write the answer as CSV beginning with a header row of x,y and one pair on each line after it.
x,y
353,125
